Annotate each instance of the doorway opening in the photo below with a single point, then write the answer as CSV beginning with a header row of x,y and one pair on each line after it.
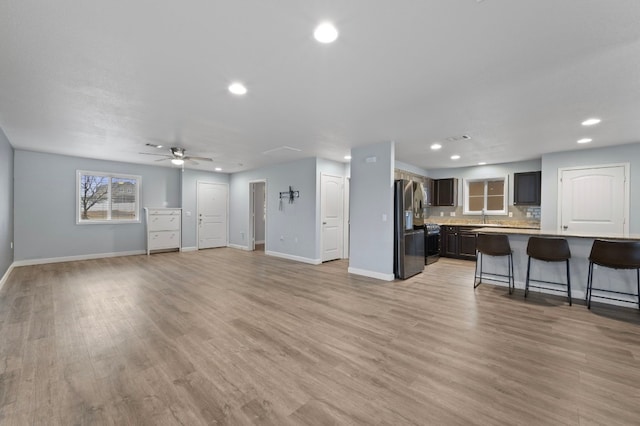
x,y
257,215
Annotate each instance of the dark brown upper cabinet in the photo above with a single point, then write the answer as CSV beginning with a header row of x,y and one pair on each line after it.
x,y
446,192
526,188
429,189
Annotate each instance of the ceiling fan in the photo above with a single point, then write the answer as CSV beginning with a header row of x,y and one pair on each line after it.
x,y
177,155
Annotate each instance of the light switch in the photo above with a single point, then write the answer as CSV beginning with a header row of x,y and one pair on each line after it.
x,y
384,217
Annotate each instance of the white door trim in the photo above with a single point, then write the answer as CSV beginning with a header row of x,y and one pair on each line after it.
x,y
627,167
346,215
251,244
198,210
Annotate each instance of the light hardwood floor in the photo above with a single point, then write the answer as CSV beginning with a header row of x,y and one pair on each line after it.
x,y
230,337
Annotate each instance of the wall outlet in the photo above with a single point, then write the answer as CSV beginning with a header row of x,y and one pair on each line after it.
x,y
510,214
281,237
188,214
528,214
441,213
452,213
242,236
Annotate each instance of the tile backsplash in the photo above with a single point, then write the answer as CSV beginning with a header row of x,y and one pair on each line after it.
x,y
519,215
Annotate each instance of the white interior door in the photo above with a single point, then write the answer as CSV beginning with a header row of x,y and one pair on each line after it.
x,y
593,200
332,214
213,200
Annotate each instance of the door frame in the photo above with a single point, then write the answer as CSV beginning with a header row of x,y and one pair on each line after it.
x,y
626,167
321,228
346,223
198,182
251,240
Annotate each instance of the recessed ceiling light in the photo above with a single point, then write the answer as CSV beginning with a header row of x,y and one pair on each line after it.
x,y
177,161
591,121
218,169
482,163
237,88
455,157
436,146
325,33
347,157
585,140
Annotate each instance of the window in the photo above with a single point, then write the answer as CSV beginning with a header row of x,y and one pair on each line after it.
x,y
486,195
107,198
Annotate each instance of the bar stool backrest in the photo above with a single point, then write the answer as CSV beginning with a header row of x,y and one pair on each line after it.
x,y
493,244
548,249
616,254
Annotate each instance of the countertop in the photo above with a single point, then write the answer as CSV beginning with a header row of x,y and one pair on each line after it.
x,y
548,233
505,224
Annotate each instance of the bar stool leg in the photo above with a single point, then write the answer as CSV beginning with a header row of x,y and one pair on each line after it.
x,y
475,271
526,286
510,272
589,284
638,281
568,283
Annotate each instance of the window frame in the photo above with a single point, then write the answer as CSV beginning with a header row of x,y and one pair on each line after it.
x,y
505,195
110,176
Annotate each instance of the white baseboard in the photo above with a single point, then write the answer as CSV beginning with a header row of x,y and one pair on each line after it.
x,y
260,242
189,248
238,246
29,262
371,274
5,277
292,257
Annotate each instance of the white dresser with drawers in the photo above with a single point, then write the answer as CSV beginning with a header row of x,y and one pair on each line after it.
x,y
164,228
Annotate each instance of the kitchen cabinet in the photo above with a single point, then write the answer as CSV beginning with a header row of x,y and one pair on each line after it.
x,y
526,188
458,242
429,190
446,192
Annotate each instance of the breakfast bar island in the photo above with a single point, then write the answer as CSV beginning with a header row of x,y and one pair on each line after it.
x,y
619,280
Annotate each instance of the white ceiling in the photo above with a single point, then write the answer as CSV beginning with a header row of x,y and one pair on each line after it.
x,y
100,79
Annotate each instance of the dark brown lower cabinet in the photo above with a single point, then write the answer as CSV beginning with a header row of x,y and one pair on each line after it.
x,y
458,242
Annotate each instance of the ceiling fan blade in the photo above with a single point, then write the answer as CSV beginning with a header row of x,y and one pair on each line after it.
x,y
157,155
191,157
191,161
162,159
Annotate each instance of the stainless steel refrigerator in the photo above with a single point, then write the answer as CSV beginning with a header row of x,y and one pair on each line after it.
x,y
408,229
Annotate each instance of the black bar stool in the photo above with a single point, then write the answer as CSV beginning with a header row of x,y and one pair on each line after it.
x,y
548,250
494,245
615,255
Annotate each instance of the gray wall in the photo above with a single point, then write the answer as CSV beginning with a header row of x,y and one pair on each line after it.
x,y
589,157
6,204
295,223
488,171
411,168
371,238
189,186
45,205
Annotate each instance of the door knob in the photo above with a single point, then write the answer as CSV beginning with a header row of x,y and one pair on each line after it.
x,y
565,227
324,223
